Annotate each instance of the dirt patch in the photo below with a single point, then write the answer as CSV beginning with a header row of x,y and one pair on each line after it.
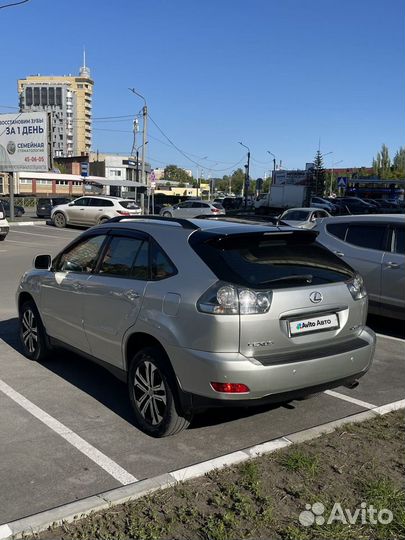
x,y
360,466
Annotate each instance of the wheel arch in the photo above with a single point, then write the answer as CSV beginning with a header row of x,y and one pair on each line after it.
x,y
25,297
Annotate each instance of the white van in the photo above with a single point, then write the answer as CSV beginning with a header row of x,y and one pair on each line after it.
x,y
4,226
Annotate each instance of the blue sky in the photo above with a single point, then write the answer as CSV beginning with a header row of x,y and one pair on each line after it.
x,y
276,74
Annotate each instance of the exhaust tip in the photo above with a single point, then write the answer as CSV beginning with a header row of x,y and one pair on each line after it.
x,y
352,385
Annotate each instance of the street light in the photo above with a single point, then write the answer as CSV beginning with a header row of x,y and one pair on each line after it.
x,y
145,122
246,172
274,164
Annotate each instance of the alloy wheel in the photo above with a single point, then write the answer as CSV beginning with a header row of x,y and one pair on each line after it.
x,y
150,393
29,331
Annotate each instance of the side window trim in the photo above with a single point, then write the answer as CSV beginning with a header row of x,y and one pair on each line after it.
x,y
384,242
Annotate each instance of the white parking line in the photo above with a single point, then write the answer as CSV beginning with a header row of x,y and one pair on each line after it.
x,y
112,468
401,340
42,235
350,399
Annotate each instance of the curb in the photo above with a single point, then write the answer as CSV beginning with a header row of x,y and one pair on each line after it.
x,y
24,223
79,509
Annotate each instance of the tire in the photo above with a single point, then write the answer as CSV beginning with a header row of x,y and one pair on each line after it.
x,y
33,337
156,413
3,237
103,220
59,220
167,214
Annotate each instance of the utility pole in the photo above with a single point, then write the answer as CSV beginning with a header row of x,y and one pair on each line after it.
x,y
247,167
11,193
274,165
145,123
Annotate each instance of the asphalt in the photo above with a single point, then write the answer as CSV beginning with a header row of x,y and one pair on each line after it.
x,y
41,469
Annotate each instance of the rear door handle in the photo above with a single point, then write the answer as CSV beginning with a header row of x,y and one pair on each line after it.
x,y
392,265
339,253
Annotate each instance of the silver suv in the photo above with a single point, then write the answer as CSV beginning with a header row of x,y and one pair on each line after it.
x,y
93,210
375,246
200,313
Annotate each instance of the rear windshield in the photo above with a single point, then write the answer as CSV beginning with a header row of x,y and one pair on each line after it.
x,y
128,204
296,215
253,260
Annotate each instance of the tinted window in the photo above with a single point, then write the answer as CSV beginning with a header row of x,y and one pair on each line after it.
x,y
199,205
399,245
161,266
254,260
140,268
82,257
101,202
120,256
185,205
366,236
84,201
337,229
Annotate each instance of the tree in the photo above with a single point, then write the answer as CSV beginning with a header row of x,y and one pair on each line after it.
x,y
317,176
382,163
399,162
176,174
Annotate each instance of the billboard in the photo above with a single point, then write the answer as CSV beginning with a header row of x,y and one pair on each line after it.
x,y
290,177
24,142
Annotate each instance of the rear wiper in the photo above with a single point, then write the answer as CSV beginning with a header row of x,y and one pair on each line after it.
x,y
297,277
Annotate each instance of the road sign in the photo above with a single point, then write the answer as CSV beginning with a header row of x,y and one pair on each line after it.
x,y
84,168
342,181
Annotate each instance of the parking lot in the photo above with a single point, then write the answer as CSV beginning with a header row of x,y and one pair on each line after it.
x,y
66,425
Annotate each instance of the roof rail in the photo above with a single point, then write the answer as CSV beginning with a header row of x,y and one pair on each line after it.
x,y
185,223
245,219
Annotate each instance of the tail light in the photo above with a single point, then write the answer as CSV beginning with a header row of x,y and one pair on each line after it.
x,y
225,299
356,287
215,210
123,213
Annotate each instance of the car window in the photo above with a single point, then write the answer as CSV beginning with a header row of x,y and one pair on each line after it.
x,y
140,269
128,204
185,205
83,201
199,205
255,260
296,215
366,236
43,201
161,266
399,242
120,255
100,202
337,229
82,257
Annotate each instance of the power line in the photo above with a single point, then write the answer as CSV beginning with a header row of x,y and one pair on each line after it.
x,y
14,4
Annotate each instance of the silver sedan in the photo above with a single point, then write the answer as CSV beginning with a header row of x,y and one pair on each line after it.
x,y
193,209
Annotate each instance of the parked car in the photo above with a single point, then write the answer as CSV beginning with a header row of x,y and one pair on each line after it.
x,y
93,210
319,202
192,209
200,313
4,226
375,247
355,205
45,205
304,218
18,210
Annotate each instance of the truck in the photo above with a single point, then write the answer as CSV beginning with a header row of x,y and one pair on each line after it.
x,y
281,198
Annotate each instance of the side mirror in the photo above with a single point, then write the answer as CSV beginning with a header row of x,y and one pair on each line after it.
x,y
71,204
43,262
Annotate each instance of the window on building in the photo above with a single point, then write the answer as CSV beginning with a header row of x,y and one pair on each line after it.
x,y
59,97
28,96
44,96
37,100
51,96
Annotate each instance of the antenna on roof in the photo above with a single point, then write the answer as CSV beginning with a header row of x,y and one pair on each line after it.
x,y
84,70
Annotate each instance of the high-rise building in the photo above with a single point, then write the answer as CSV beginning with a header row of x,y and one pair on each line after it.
x,y
69,100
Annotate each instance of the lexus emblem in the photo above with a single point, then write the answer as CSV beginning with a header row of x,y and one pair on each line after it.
x,y
316,297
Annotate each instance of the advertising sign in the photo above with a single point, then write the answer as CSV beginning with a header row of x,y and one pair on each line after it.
x,y
24,142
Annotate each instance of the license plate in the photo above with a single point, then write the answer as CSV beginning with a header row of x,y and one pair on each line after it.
x,y
314,324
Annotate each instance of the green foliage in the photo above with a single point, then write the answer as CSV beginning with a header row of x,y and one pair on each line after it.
x,y
175,174
318,177
385,168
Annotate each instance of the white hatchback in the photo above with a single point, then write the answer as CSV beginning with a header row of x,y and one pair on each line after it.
x,y
93,210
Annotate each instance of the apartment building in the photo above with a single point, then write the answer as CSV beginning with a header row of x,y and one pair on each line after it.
x,y
69,100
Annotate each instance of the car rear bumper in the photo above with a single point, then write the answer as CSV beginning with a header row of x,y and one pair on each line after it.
x,y
195,371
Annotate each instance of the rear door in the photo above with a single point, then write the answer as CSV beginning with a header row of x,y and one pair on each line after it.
x,y
113,295
364,248
393,275
99,208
